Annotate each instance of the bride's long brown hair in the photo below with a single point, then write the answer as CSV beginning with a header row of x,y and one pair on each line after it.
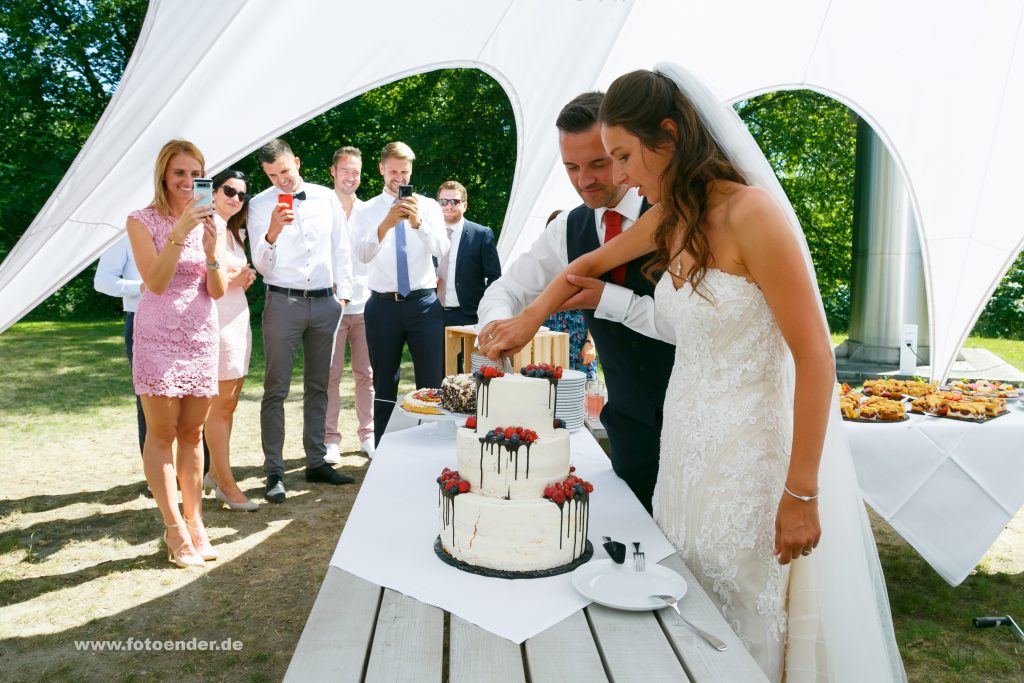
x,y
638,102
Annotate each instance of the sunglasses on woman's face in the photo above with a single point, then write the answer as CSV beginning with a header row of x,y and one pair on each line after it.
x,y
230,192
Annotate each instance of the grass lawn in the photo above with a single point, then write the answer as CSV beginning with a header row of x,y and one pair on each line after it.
x,y
80,559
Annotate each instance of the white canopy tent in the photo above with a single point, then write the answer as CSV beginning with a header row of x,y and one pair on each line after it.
x,y
941,82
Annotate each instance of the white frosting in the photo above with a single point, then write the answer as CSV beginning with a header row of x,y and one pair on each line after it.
x,y
492,471
516,401
514,535
504,522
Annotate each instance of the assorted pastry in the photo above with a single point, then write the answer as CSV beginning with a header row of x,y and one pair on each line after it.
x,y
423,401
960,406
985,389
897,388
855,406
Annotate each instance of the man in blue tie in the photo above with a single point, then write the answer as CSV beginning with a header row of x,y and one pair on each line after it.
x,y
398,239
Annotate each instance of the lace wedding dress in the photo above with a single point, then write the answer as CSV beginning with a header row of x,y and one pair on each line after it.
x,y
724,456
725,449
725,452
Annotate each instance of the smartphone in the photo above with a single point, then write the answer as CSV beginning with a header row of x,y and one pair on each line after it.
x,y
202,189
285,198
404,191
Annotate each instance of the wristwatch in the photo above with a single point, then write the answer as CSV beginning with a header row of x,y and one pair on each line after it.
x,y
213,266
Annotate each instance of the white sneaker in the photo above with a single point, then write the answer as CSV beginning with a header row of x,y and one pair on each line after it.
x,y
333,456
368,448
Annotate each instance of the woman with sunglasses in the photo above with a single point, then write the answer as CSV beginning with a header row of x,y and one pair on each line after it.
x,y
231,207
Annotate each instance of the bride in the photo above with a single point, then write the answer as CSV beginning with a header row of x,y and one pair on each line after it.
x,y
750,427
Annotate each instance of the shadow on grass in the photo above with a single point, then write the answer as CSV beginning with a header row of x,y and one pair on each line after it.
x,y
260,597
134,526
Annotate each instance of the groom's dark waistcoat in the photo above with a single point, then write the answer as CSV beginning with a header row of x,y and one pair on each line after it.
x,y
636,367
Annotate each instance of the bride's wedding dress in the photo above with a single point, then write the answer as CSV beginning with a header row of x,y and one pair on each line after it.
x,y
725,449
724,456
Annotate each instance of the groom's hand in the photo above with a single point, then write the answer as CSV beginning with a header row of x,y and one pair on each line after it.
x,y
589,295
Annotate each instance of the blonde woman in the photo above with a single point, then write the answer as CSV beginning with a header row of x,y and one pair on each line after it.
x,y
178,251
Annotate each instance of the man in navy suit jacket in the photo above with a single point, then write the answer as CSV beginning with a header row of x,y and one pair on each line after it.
x,y
471,265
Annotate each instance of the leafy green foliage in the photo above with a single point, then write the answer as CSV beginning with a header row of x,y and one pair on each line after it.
x,y
810,141
60,61
1004,314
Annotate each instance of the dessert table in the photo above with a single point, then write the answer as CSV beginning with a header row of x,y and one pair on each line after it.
x,y
948,487
388,610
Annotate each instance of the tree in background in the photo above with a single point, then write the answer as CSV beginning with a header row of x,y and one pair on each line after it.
x,y
810,141
60,61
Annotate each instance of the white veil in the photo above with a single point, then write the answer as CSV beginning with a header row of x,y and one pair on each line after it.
x,y
840,624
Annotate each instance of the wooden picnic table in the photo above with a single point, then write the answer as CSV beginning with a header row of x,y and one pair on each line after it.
x,y
359,631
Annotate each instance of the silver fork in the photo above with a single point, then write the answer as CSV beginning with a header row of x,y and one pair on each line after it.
x,y
674,604
639,559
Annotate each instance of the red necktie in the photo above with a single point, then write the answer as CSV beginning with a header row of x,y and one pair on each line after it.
x,y
612,229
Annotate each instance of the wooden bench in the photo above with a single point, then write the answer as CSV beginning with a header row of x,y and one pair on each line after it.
x,y
358,631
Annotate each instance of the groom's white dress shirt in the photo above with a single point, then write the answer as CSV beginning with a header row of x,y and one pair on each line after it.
x,y
528,275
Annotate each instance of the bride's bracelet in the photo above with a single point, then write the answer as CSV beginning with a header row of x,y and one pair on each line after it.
x,y
806,499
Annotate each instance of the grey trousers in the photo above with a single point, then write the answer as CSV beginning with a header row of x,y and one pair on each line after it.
x,y
286,322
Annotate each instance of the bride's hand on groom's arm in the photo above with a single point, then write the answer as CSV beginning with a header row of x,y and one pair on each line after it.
x,y
589,295
797,529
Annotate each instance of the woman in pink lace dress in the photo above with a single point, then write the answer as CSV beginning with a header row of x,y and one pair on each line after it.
x,y
231,208
178,251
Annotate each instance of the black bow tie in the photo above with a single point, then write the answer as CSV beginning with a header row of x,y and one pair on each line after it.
x,y
300,195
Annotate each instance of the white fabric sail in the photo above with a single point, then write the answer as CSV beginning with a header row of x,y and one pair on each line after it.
x,y
941,82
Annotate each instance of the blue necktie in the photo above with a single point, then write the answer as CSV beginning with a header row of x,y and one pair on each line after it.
x,y
403,261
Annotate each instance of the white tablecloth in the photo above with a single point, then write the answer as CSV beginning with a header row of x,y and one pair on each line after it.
x,y
389,537
948,487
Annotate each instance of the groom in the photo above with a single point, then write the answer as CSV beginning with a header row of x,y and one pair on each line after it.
x,y
636,367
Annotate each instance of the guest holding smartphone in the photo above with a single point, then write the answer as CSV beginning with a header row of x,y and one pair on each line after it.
x,y
178,251
231,208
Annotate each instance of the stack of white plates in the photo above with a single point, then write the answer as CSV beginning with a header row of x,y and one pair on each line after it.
x,y
480,361
569,406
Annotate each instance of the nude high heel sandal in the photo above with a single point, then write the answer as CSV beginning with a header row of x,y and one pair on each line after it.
x,y
184,555
202,543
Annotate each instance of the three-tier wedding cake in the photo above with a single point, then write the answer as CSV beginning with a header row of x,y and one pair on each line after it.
x,y
514,505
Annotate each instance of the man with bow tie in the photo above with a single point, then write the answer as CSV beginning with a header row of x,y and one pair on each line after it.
x,y
398,239
302,251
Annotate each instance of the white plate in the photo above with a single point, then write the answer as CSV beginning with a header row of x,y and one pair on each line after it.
x,y
620,587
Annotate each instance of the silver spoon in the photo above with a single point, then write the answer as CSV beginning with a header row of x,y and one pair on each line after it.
x,y
674,604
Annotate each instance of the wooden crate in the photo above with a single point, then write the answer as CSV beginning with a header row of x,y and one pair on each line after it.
x,y
545,347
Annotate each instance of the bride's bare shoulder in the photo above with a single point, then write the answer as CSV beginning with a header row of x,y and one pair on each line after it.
x,y
749,208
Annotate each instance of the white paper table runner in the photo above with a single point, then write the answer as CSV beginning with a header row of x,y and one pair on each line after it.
x,y
389,537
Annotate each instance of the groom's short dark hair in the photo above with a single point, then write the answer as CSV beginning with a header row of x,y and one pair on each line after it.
x,y
580,114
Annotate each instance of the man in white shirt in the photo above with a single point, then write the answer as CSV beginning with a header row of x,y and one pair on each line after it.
x,y
116,275
303,254
398,239
346,169
636,367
